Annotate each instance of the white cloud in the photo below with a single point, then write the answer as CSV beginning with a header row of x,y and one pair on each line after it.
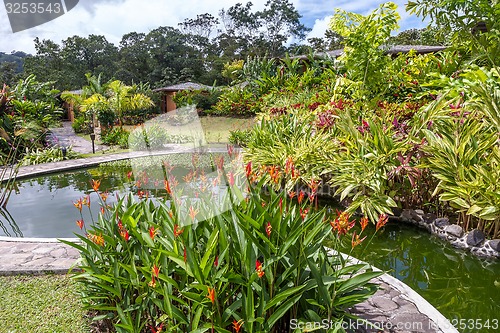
x,y
114,18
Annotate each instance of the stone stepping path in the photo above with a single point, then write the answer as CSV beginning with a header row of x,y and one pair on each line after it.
x,y
35,257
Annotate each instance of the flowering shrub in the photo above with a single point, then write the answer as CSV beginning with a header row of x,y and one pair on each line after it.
x,y
158,265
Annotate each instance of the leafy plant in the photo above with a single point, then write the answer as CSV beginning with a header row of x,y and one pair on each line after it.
x,y
54,154
252,267
116,136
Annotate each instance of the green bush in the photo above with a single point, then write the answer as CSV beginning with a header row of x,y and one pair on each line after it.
x,y
236,102
152,137
81,125
252,267
203,99
239,137
116,137
54,154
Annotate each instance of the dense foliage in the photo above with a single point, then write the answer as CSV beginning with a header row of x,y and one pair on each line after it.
x,y
242,260
413,131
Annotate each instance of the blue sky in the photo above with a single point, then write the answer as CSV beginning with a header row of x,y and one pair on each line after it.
x,y
114,18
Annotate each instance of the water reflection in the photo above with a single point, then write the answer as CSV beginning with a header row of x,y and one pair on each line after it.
x,y
457,283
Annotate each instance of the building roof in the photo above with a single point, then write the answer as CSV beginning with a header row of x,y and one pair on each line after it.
x,y
184,86
393,50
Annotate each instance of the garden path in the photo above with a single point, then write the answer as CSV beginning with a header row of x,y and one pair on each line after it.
x,y
65,137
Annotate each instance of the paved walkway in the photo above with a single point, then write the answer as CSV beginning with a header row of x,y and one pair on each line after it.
x,y
65,137
35,256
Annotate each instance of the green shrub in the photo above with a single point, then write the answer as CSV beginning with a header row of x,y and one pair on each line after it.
x,y
236,102
203,99
81,125
254,266
116,137
152,137
54,154
239,137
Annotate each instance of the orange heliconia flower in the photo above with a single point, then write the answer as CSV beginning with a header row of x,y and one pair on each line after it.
x,y
269,228
237,325
152,232
192,212
80,224
355,240
155,270
382,220
177,231
78,204
86,200
258,268
104,196
364,223
342,223
291,194
211,295
96,239
96,184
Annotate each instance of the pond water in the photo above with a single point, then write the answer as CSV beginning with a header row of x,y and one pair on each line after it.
x,y
458,284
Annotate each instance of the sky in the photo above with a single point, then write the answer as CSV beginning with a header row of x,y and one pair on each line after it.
x,y
114,18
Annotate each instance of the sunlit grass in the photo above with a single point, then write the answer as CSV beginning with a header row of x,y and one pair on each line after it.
x,y
42,304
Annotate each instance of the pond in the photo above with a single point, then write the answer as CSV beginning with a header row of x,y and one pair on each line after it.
x,y
458,284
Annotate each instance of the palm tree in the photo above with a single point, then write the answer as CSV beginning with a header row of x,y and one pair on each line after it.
x,y
108,101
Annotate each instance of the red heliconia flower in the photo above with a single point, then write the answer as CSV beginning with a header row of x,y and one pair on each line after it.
x,y
155,270
158,329
300,197
355,240
303,213
269,228
102,210
129,174
258,268
166,184
281,204
382,220
185,255
248,169
230,178
177,231
216,262
96,184
219,161
120,224
192,212
291,194
124,234
364,223
80,224
237,325
152,232
211,295
230,150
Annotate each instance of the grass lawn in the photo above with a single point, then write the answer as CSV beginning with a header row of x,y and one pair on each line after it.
x,y
215,129
42,304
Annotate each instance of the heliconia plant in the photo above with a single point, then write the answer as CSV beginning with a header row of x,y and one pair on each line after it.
x,y
251,268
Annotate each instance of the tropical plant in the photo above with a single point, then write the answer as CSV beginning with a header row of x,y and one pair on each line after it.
x,y
54,154
364,38
254,267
